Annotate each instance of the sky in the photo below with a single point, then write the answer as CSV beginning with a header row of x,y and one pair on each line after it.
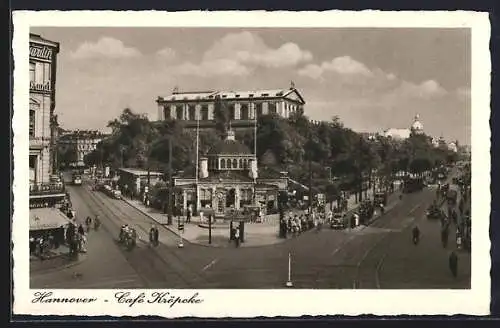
x,y
372,79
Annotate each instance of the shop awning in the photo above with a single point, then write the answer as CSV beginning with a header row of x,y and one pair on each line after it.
x,y
47,218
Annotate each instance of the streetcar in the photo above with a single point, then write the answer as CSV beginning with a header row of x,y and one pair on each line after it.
x,y
77,179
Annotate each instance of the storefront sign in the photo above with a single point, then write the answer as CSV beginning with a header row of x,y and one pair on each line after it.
x,y
41,87
44,53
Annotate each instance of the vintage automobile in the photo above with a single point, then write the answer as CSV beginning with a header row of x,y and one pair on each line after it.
x,y
380,198
434,212
128,237
338,221
77,180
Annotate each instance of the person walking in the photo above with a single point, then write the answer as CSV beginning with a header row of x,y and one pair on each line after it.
x,y
88,223
416,235
444,236
237,236
453,264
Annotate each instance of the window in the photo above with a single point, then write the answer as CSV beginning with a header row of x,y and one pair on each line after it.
x,y
272,108
228,163
32,123
179,113
32,71
235,163
241,163
223,164
191,112
245,163
258,109
231,112
166,112
204,113
244,114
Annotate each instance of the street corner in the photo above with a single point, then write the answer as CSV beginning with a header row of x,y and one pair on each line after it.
x,y
56,263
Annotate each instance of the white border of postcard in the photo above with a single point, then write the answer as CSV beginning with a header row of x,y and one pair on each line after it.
x,y
250,303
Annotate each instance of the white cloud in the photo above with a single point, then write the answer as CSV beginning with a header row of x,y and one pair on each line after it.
x,y
167,53
212,68
105,47
341,65
239,53
426,89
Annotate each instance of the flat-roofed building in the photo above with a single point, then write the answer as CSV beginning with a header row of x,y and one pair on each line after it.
x,y
243,106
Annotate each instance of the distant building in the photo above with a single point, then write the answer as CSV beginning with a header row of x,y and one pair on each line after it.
x,y
401,134
79,143
244,106
453,147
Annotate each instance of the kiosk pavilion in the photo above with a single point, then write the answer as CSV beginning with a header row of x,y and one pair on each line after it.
x,y
228,181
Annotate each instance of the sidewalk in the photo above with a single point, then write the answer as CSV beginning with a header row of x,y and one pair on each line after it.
x,y
57,260
256,234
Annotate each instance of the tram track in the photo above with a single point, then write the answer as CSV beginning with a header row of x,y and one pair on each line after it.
x,y
149,263
173,257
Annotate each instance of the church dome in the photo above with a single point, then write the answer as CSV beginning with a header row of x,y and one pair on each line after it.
x,y
229,146
417,126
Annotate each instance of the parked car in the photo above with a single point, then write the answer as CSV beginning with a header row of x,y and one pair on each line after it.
x,y
338,221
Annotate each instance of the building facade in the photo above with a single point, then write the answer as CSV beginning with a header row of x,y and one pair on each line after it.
x,y
77,144
400,134
243,106
42,74
228,180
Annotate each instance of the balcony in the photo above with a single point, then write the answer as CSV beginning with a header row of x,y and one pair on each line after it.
x,y
38,142
42,190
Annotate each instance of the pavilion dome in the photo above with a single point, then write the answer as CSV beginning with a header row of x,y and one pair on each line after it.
x,y
229,146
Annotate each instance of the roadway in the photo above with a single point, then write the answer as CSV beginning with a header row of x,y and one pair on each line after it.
x,y
379,256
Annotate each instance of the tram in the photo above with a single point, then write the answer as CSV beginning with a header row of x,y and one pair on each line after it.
x,y
77,179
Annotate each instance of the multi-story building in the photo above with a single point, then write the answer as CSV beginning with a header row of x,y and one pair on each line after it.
x,y
243,106
42,74
46,188
77,144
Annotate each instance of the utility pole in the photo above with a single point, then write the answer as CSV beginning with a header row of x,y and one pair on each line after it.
x,y
310,175
170,183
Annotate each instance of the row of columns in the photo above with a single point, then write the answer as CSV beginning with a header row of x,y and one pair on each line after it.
x,y
281,109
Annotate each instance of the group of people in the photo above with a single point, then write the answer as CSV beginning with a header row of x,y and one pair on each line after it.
x,y
447,220
295,225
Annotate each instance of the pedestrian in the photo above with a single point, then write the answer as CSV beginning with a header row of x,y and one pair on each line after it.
x,y
88,223
80,230
237,236
416,235
444,236
41,247
453,264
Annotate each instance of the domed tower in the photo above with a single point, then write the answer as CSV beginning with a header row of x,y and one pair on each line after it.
x,y
417,127
231,155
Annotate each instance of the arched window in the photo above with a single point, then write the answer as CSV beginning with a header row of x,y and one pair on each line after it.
x,y
222,163
235,163
241,163
245,163
228,163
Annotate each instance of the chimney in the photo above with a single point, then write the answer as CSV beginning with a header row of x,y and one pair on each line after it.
x,y
203,168
252,168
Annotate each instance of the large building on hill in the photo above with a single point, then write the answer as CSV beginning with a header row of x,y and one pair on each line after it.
x,y
400,134
243,106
